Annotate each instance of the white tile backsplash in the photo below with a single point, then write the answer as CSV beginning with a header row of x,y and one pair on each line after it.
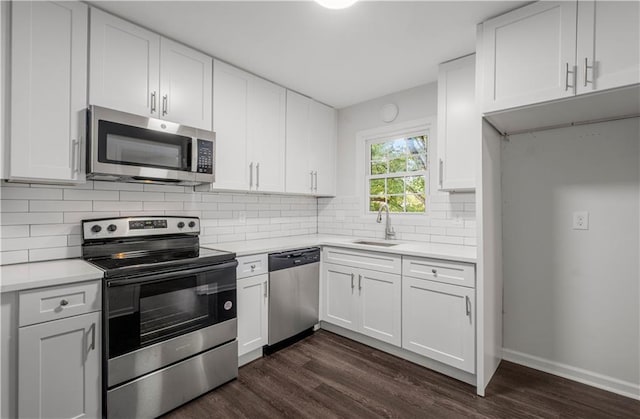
x,y
42,222
450,219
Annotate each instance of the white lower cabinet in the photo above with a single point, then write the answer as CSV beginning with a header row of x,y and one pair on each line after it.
x,y
253,313
438,321
59,368
364,301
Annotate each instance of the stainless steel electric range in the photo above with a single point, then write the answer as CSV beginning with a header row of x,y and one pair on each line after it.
x,y
169,316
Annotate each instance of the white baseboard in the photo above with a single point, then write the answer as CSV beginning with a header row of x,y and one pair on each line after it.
x,y
580,375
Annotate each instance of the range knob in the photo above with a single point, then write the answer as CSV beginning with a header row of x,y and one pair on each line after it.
x,y
96,228
192,224
112,227
180,224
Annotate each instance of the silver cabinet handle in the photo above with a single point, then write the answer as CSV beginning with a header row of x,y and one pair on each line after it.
x,y
359,282
93,337
64,303
165,99
257,175
566,78
75,156
440,172
153,102
586,68
352,275
311,174
251,175
266,289
315,183
468,305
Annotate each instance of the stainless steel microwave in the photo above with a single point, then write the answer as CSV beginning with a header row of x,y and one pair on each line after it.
x,y
132,148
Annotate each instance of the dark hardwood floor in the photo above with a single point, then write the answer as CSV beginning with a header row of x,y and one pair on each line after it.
x,y
328,376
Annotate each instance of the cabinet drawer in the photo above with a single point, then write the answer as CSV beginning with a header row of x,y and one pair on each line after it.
x,y
52,303
382,262
252,265
441,271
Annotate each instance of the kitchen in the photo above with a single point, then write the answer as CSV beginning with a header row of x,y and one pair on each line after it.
x,y
465,245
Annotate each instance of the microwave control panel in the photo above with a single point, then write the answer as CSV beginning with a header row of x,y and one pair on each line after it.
x,y
205,157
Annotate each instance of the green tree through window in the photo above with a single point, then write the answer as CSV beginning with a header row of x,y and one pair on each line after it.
x,y
397,171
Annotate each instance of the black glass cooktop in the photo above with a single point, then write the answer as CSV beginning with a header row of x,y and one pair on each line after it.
x,y
135,263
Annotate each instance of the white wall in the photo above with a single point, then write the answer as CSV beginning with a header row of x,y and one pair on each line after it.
x,y
571,296
450,218
42,222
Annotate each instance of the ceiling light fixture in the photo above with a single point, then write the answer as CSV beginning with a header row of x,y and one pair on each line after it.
x,y
336,4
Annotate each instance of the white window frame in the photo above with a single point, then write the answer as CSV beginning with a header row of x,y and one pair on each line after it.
x,y
401,130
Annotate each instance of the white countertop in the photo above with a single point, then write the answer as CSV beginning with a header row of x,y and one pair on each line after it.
x,y
404,247
43,274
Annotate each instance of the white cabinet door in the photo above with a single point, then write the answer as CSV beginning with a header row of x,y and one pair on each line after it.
x,y
380,305
185,85
267,113
322,149
230,122
124,66
300,178
59,368
339,296
528,54
459,124
252,313
438,321
608,45
48,90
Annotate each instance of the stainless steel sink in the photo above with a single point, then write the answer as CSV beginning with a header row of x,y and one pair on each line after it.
x,y
375,243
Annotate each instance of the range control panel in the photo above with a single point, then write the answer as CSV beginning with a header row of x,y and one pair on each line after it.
x,y
205,157
139,226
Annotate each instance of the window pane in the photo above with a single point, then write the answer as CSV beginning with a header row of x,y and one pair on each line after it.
x,y
374,203
378,151
376,187
415,184
416,163
396,203
417,145
378,168
397,147
395,185
415,203
398,165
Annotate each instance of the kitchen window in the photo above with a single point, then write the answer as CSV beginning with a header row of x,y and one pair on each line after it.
x,y
397,173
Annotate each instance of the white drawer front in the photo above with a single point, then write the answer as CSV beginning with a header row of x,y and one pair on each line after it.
x,y
52,303
382,262
252,265
455,273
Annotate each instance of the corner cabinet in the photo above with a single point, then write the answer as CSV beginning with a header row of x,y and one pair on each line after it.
x,y
459,125
59,347
249,121
137,71
530,53
311,133
48,91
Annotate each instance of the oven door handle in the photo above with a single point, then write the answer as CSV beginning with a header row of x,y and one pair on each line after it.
x,y
148,278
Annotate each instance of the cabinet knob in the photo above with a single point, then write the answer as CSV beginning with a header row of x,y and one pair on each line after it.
x,y
434,271
253,268
64,303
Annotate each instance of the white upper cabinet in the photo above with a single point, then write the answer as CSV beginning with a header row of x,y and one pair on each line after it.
x,y
249,121
124,66
137,71
608,45
311,146
529,55
48,91
552,50
185,85
459,125
267,107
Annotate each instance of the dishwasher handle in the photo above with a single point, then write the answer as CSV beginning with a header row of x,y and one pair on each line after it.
x,y
293,258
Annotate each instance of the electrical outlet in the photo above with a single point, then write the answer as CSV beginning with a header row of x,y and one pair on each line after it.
x,y
581,220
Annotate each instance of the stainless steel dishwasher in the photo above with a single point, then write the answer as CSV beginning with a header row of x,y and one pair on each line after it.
x,y
294,290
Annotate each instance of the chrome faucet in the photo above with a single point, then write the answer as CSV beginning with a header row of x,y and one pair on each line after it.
x,y
389,232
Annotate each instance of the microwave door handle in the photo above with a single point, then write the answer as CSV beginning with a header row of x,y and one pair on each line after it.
x,y
149,278
194,155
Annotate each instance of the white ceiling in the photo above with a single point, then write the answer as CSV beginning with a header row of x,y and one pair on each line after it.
x,y
339,57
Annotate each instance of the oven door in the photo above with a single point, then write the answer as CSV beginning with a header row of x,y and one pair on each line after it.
x,y
155,320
